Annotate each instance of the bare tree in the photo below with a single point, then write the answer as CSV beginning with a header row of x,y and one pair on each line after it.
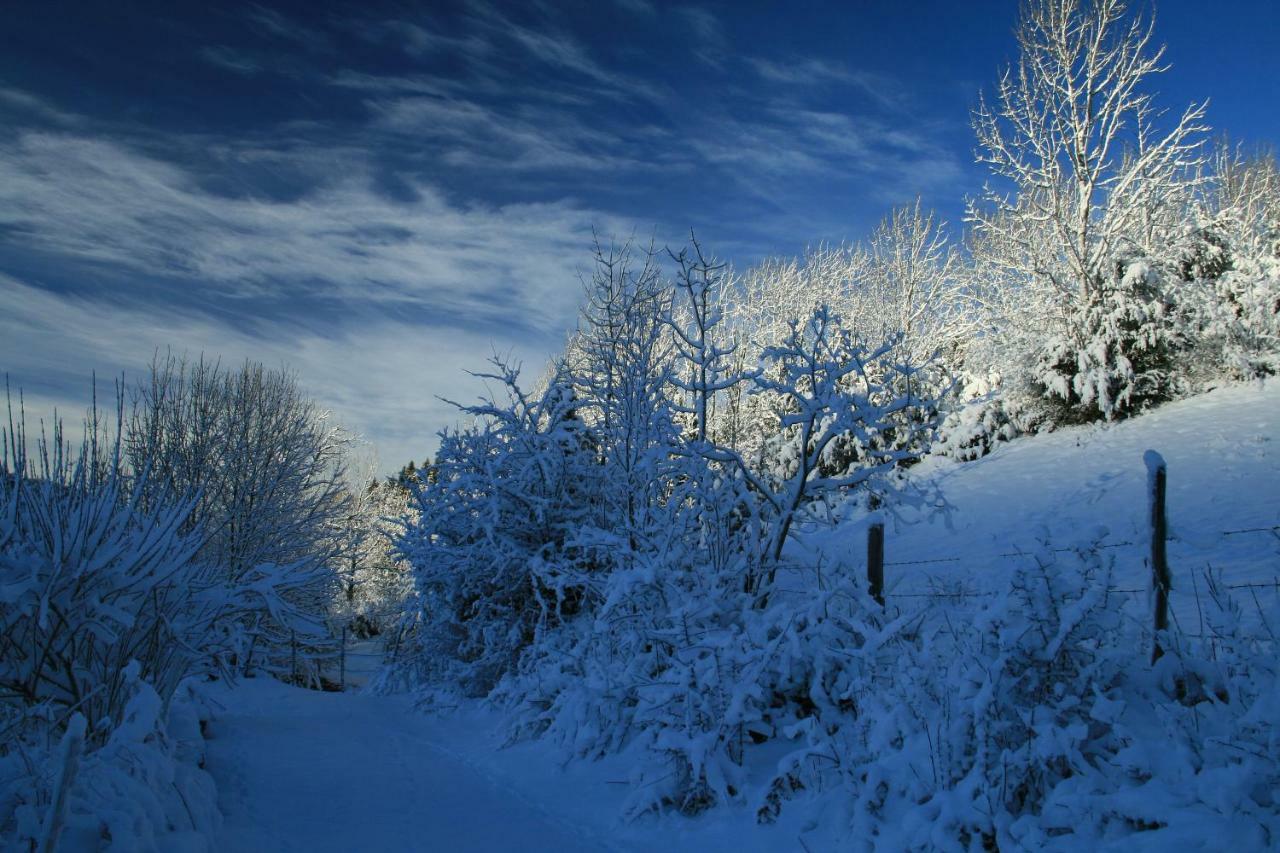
x,y
910,285
1077,138
263,465
1089,191
696,323
1243,204
620,362
375,581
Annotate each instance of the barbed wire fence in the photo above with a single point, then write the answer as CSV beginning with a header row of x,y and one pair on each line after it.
x,y
1159,588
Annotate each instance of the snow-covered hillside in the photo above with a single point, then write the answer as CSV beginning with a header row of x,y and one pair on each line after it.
x,y
1068,487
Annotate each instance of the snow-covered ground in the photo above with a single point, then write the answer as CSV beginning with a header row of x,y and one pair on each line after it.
x,y
301,770
308,771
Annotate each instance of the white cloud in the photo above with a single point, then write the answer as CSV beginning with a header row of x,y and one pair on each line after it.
x,y
708,34
809,72
391,298
410,294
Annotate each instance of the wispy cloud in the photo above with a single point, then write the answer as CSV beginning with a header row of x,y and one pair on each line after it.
x,y
811,72
636,7
496,47
771,148
34,107
231,59
712,44
442,207
277,25
423,39
103,202
504,139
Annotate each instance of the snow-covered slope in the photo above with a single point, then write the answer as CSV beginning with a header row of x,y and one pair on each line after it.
x,y
1223,455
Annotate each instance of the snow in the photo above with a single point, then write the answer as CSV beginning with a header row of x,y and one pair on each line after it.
x,y
1223,467
310,771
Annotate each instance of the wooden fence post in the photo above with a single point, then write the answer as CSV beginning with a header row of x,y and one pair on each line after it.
x,y
342,662
1157,475
875,561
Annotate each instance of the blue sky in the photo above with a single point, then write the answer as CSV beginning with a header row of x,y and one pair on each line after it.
x,y
378,195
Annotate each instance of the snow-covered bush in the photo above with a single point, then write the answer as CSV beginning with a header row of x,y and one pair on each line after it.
x,y
500,532
105,610
1033,721
974,428
144,789
1119,357
1232,269
676,651
91,582
847,414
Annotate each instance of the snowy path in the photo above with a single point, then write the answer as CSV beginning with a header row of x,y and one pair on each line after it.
x,y
299,770
307,771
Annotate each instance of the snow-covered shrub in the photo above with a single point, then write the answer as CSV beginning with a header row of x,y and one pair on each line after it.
x,y
618,584
1034,720
1232,269
91,582
105,610
847,414
974,428
1246,322
144,789
96,577
694,650
499,532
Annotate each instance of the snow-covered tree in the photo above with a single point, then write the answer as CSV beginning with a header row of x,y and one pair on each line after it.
x,y
1088,182
847,413
1233,266
375,581
697,321
620,368
909,284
